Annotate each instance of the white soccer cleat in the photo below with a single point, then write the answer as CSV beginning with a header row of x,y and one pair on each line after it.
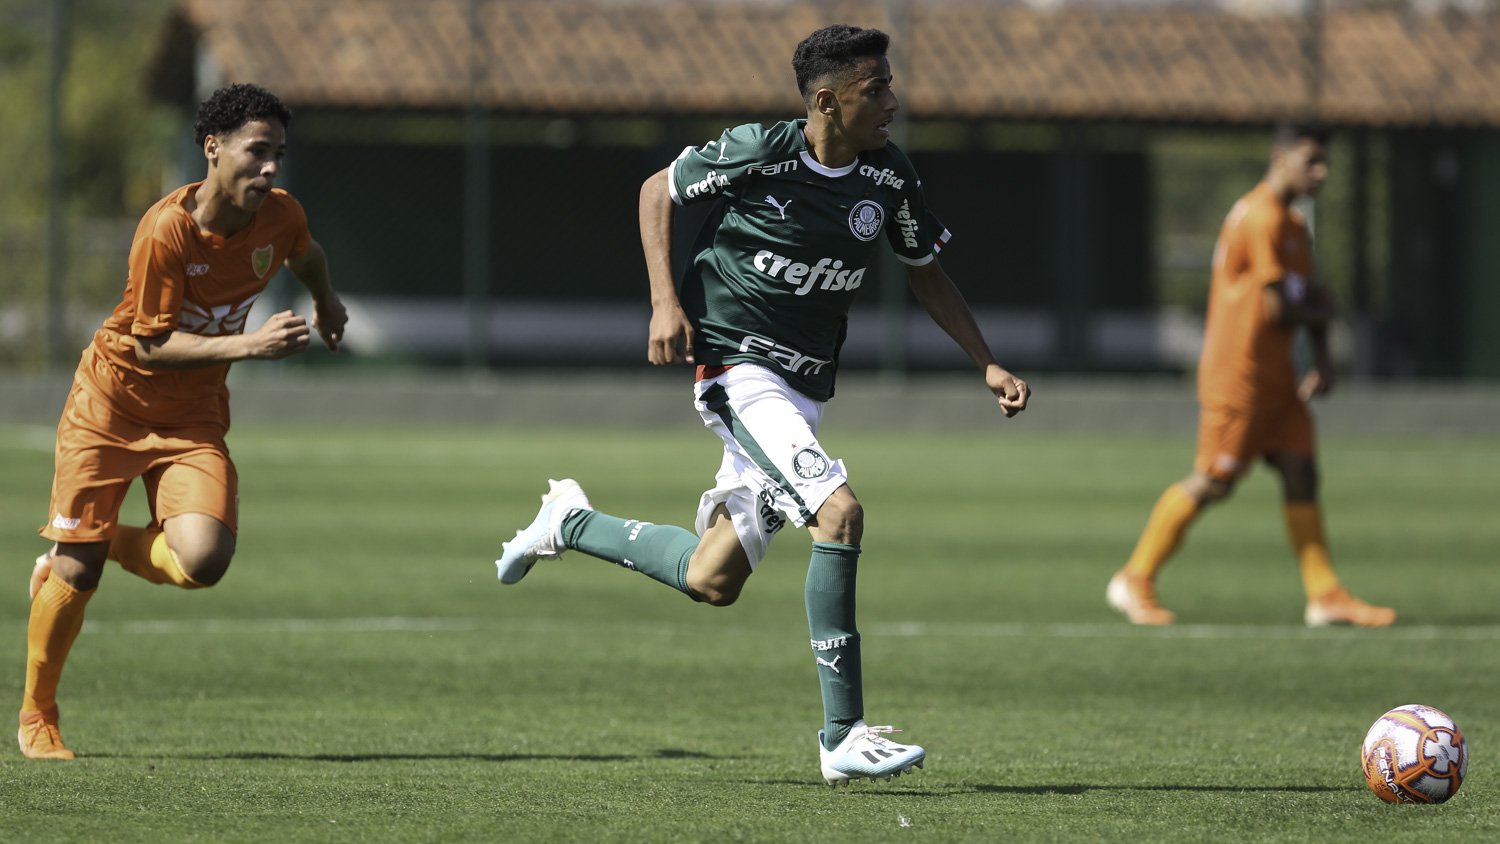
x,y
865,754
542,539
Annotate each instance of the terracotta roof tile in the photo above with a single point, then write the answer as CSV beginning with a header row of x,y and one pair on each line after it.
x,y
957,59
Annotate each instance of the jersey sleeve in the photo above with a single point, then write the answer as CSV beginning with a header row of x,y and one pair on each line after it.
x,y
718,168
299,236
918,235
1259,233
158,275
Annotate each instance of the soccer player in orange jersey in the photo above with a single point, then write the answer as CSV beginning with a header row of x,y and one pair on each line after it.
x,y
149,397
1251,403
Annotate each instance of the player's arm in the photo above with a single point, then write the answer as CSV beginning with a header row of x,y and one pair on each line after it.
x,y
1293,302
671,335
941,298
329,316
283,335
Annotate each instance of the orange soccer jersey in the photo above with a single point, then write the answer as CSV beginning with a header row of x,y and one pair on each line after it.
x,y
1247,357
124,420
1247,382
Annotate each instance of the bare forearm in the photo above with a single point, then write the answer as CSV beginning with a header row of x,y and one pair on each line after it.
x,y
179,350
948,309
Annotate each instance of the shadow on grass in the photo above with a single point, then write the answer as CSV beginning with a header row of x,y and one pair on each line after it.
x,y
257,756
1084,789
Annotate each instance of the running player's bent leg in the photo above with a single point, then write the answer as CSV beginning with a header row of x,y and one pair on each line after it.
x,y
712,569
201,546
830,598
56,618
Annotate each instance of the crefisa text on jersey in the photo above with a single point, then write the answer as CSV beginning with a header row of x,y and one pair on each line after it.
x,y
882,177
793,272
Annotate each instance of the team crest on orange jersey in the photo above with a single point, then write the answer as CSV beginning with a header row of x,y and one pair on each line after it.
x,y
260,260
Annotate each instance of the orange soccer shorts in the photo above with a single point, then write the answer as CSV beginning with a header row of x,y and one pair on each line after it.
x,y
1229,440
100,452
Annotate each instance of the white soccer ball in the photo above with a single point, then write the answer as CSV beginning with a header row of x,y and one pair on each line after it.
x,y
1415,754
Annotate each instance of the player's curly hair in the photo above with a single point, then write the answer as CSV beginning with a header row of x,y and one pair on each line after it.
x,y
1291,133
834,51
233,106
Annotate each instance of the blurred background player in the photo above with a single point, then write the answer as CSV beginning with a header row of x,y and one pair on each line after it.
x,y
1251,404
149,397
762,313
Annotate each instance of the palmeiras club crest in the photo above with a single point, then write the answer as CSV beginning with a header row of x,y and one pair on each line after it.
x,y
865,219
809,464
260,260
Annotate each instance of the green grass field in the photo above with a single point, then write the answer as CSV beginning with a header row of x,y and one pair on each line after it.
x,y
360,675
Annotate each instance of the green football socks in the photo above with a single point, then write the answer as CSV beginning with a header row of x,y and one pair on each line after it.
x,y
835,639
661,552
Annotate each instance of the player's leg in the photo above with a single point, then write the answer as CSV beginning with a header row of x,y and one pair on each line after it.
x,y
193,494
53,625
1294,461
93,470
1223,442
848,748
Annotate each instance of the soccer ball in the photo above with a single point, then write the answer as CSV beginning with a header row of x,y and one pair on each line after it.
x,y
1415,754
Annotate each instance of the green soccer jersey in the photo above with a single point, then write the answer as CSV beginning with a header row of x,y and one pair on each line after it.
x,y
789,246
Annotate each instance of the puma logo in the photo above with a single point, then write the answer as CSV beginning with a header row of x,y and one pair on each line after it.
x,y
834,665
779,207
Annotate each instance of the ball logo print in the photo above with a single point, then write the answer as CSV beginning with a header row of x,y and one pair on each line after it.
x,y
865,219
809,464
1414,754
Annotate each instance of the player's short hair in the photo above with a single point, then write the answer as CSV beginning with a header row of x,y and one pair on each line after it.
x,y
233,106
1289,134
834,51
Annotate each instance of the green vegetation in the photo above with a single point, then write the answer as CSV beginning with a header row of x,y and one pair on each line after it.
x,y
360,676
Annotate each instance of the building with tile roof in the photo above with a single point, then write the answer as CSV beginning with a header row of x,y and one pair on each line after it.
x,y
1415,89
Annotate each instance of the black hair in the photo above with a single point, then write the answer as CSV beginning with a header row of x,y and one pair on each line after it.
x,y
1288,134
233,106
832,51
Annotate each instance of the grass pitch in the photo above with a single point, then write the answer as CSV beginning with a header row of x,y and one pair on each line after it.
x,y
360,675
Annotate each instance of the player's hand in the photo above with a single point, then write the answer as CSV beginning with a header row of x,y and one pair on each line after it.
x,y
1317,382
671,337
1011,392
329,318
283,335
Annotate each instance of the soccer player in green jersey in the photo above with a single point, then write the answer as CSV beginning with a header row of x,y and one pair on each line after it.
x,y
762,311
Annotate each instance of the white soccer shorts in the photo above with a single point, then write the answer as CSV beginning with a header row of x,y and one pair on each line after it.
x,y
774,470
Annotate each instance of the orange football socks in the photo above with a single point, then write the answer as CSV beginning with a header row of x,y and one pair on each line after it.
x,y
1169,520
56,618
146,554
1304,524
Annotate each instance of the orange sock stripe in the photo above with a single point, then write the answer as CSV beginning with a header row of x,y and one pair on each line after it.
x,y
1304,525
56,619
1169,521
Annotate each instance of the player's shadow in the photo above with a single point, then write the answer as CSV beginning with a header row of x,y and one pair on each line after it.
x,y
1079,788
258,756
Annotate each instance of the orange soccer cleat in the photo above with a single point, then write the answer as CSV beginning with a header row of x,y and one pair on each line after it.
x,y
1339,607
1136,598
39,738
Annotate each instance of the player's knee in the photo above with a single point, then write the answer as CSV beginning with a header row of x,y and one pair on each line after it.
x,y
207,565
716,591
842,519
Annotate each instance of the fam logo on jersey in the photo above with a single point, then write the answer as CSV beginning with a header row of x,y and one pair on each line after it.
x,y
216,321
260,260
773,169
865,219
809,464
197,270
